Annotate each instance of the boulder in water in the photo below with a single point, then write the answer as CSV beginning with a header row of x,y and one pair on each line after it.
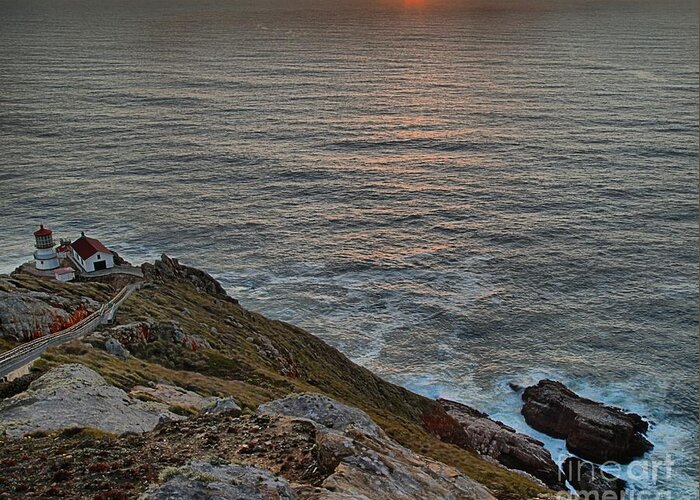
x,y
591,481
592,430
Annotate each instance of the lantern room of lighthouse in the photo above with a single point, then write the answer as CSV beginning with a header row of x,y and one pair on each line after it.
x,y
45,255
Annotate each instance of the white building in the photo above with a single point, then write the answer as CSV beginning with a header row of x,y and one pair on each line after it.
x,y
91,255
64,274
64,250
45,257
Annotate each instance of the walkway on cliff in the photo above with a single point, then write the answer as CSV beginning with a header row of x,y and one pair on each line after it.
x,y
30,268
17,358
130,270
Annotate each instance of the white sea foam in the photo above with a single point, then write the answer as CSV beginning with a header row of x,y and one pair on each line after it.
x,y
663,471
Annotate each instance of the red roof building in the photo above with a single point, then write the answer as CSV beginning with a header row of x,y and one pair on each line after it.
x,y
91,254
64,274
87,247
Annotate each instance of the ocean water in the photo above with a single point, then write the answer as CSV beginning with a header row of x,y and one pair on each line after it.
x,y
456,194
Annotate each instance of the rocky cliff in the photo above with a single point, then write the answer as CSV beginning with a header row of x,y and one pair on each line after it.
x,y
29,310
215,396
301,446
494,439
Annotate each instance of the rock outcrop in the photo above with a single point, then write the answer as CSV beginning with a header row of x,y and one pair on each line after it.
x,y
284,360
222,405
172,395
592,430
119,260
115,348
381,469
503,443
76,396
201,479
145,332
323,410
24,314
170,268
363,463
591,481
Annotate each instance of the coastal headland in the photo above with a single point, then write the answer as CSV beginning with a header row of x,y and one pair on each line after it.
x,y
186,392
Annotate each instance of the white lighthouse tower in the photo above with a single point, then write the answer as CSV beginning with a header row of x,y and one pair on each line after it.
x,y
45,256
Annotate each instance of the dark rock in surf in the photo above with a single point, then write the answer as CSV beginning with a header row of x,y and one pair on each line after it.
x,y
515,387
591,481
475,431
592,430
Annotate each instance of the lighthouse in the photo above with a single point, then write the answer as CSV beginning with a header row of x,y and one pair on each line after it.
x,y
45,256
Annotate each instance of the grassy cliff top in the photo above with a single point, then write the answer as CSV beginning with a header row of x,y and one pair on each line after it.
x,y
254,359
